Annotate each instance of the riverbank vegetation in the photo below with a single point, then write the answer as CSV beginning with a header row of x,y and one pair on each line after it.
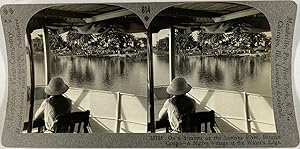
x,y
236,43
112,43
106,44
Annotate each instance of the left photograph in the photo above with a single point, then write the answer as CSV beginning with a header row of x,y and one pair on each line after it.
x,y
86,70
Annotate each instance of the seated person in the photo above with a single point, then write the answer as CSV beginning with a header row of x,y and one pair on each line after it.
x,y
178,105
55,105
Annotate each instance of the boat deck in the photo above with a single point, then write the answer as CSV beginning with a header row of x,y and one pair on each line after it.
x,y
235,112
114,112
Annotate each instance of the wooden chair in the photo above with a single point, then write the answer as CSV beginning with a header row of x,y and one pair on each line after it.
x,y
193,122
38,123
163,123
66,122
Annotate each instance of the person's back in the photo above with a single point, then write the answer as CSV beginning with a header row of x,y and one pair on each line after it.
x,y
54,106
184,104
179,105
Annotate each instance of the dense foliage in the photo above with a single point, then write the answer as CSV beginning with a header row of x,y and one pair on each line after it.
x,y
105,43
218,44
112,42
55,40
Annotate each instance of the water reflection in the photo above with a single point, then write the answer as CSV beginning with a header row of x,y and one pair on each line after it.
x,y
183,65
251,74
111,74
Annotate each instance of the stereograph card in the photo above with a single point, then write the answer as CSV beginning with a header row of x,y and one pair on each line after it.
x,y
150,74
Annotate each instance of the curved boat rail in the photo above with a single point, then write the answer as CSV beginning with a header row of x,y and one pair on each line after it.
x,y
121,112
240,112
109,111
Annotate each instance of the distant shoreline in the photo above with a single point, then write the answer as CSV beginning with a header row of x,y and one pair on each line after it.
x,y
141,56
260,54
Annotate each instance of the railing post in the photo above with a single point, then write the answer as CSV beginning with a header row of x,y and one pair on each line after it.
x,y
172,53
150,85
118,113
248,119
32,83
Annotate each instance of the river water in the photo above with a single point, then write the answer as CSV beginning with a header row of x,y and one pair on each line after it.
x,y
250,74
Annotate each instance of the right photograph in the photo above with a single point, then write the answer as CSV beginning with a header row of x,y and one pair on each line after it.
x,y
211,70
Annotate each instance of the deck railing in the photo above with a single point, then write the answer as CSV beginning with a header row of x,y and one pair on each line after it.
x,y
235,111
128,112
110,111
119,112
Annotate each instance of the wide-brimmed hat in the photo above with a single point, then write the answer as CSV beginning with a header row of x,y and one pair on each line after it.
x,y
56,86
178,86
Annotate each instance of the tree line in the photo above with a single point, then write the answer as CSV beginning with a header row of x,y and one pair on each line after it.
x,y
112,42
232,43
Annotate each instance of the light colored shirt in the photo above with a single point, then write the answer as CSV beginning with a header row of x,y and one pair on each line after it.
x,y
51,108
174,108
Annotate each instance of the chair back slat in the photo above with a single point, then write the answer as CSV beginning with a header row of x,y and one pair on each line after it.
x,y
212,125
72,127
193,122
66,122
78,128
38,123
40,129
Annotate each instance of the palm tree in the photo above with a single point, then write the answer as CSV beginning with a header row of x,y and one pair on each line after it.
x,y
37,44
242,41
111,41
163,44
56,41
184,41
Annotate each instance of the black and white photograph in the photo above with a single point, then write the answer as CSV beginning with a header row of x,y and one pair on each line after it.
x,y
193,74
212,70
88,68
200,67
